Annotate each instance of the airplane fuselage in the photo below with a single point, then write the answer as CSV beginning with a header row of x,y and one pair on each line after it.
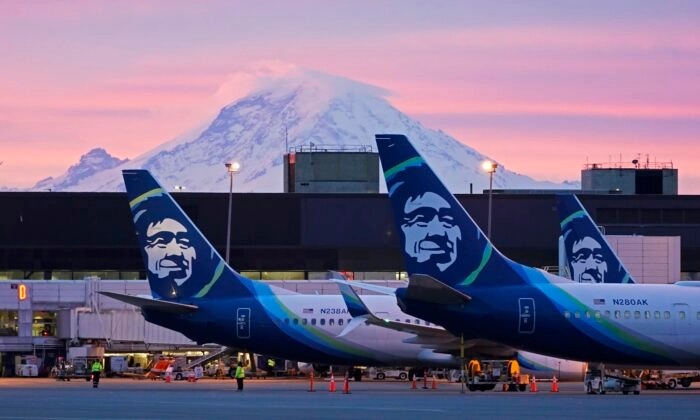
x,y
305,328
617,324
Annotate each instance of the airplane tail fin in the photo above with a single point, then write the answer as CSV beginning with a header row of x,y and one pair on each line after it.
x,y
439,238
589,255
180,262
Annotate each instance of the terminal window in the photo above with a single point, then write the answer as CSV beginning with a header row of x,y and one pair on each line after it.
x,y
8,323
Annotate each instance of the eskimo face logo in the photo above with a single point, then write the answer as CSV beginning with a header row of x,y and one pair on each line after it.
x,y
588,263
169,249
429,230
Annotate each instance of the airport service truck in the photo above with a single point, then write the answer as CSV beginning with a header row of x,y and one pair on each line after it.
x,y
668,379
599,381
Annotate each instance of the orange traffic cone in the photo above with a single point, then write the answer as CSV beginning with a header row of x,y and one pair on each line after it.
x,y
555,384
331,386
311,382
346,385
413,383
167,377
533,384
434,384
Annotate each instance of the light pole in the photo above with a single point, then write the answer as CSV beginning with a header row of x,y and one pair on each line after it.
x,y
232,168
490,167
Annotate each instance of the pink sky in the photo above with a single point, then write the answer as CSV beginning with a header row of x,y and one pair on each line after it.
x,y
542,87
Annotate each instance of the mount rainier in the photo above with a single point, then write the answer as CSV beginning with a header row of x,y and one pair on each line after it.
x,y
287,112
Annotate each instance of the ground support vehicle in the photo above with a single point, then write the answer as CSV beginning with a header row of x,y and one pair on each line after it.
x,y
600,381
669,379
486,375
394,373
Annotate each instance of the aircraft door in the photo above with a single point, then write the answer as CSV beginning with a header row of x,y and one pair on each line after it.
x,y
243,323
526,323
682,327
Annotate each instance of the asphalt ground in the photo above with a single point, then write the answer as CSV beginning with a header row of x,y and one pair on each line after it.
x,y
119,398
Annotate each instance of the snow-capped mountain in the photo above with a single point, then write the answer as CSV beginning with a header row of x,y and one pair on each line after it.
x,y
91,163
289,112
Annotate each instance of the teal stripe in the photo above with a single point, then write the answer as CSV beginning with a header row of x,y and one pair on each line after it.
x,y
571,217
484,259
145,196
414,161
217,274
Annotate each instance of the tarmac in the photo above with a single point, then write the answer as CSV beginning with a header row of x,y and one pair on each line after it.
x,y
120,398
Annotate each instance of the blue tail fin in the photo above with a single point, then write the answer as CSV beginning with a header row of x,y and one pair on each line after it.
x,y
438,236
180,262
589,257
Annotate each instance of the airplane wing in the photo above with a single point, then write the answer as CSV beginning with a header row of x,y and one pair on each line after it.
x,y
152,304
433,337
362,314
425,288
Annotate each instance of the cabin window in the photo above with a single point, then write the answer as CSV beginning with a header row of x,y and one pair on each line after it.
x,y
657,315
313,321
295,321
340,321
286,321
427,324
416,321
597,314
567,314
637,314
647,314
322,321
398,320
607,314
408,321
618,314
681,315
697,315
588,314
628,314
304,321
667,315
331,322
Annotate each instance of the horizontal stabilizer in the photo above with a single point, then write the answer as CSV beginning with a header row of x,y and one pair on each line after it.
x,y
422,287
152,304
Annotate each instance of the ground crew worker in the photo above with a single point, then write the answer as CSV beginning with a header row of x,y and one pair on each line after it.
x,y
271,365
240,375
96,370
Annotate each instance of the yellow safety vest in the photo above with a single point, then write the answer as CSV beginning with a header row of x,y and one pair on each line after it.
x,y
240,373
